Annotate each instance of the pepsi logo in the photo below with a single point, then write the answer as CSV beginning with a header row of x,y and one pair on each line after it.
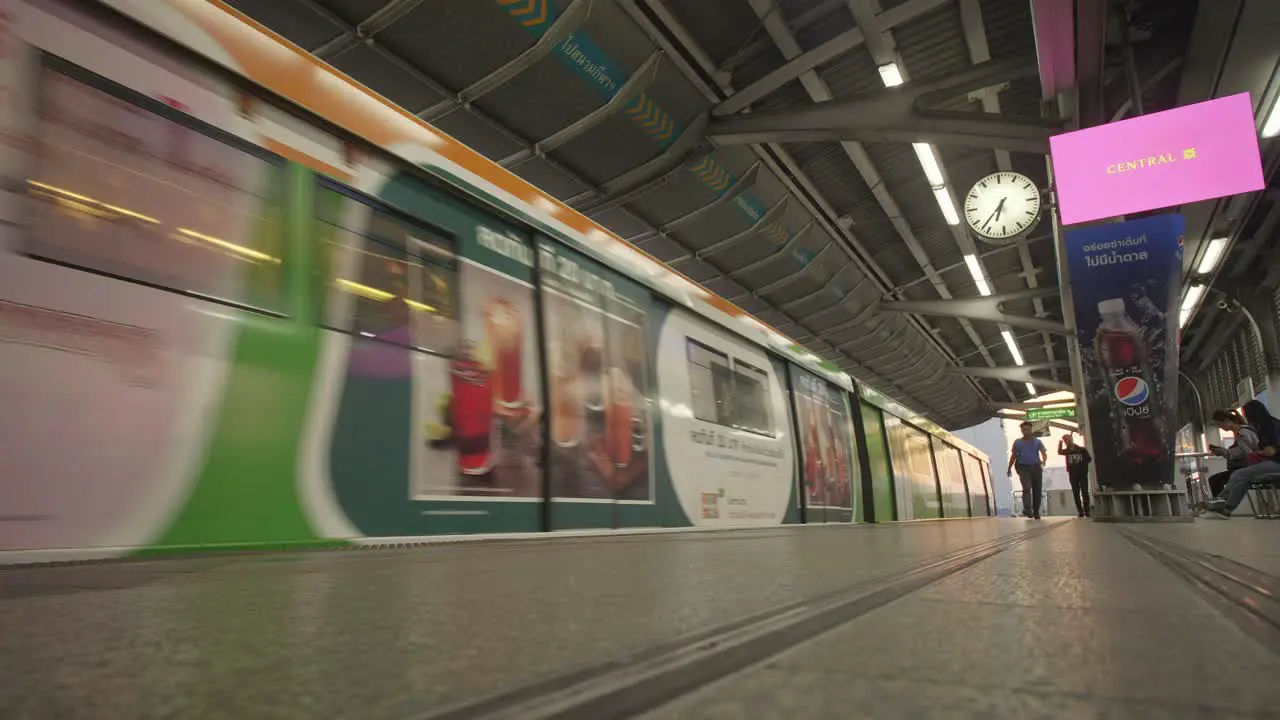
x,y
1132,391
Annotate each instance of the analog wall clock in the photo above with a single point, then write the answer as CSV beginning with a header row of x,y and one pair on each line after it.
x,y
1002,207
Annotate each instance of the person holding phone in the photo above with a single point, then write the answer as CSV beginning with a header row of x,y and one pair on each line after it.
x,y
1246,441
1029,455
1262,462
1078,459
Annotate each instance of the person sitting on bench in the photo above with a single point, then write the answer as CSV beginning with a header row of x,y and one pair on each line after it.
x,y
1259,464
1237,455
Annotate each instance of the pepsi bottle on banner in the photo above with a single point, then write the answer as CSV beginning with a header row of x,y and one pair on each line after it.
x,y
1123,358
1126,289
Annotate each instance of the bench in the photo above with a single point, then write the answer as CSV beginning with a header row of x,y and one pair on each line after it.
x,y
1267,490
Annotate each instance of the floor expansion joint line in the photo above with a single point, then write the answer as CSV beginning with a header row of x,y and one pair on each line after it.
x,y
640,682
1245,595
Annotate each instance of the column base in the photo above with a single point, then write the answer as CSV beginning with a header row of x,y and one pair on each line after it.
x,y
1141,506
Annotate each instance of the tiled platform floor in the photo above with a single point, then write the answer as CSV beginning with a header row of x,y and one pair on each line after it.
x,y
1078,623
1075,623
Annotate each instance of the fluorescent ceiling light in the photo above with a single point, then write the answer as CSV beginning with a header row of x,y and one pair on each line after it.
x,y
1212,256
1013,347
891,75
1270,128
1189,302
929,162
948,208
976,271
1031,389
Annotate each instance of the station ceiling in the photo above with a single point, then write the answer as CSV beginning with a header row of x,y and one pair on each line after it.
x,y
681,125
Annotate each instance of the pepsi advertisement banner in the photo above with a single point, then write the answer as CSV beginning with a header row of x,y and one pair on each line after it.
x,y
1126,279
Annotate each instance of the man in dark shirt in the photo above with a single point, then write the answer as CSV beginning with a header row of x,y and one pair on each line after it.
x,y
1078,460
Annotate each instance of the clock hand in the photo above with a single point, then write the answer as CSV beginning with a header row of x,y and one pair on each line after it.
x,y
1000,208
991,217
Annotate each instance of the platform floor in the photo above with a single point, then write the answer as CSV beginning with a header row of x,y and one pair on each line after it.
x,y
1079,621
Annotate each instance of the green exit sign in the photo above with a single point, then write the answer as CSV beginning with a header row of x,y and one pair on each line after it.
x,y
1066,413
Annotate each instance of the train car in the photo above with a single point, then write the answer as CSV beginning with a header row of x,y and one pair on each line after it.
x,y
247,303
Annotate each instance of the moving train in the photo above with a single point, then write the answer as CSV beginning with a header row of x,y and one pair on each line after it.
x,y
247,303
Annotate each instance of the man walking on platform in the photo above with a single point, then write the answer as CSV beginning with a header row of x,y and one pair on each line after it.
x,y
1029,456
1078,459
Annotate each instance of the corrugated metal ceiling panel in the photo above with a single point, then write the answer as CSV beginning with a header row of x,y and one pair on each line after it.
x,y
428,37
1009,29
933,45
550,178
547,97
387,77
722,28
300,21
483,136
608,150
540,101
853,73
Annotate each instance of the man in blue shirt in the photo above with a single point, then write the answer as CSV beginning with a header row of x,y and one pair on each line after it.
x,y
1029,456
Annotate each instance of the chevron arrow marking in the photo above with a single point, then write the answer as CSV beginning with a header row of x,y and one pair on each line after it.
x,y
529,6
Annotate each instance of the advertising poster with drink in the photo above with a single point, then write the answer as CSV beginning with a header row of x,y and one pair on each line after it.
x,y
1126,279
826,456
481,404
600,389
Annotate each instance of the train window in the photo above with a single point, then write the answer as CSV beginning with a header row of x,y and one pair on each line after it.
x,y
727,391
126,186
387,276
710,383
751,399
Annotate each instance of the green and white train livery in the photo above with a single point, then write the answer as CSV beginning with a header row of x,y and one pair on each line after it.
x,y
231,318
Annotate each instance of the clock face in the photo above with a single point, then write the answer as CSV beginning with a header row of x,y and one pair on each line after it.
x,y
1002,206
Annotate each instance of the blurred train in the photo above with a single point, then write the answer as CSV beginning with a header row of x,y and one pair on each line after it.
x,y
245,303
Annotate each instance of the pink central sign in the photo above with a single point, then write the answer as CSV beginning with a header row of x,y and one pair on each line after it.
x,y
1197,152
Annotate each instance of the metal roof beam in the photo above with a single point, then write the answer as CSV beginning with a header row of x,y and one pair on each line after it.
x,y
901,115
639,81
820,93
884,51
776,158
1019,373
761,45
376,22
988,134
982,308
1055,30
975,37
805,62
1091,66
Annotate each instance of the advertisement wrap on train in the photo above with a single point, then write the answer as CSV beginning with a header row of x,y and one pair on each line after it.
x,y
221,328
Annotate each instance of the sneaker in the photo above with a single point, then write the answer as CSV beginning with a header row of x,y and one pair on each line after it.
x,y
1216,515
1079,514
1037,516
1215,504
